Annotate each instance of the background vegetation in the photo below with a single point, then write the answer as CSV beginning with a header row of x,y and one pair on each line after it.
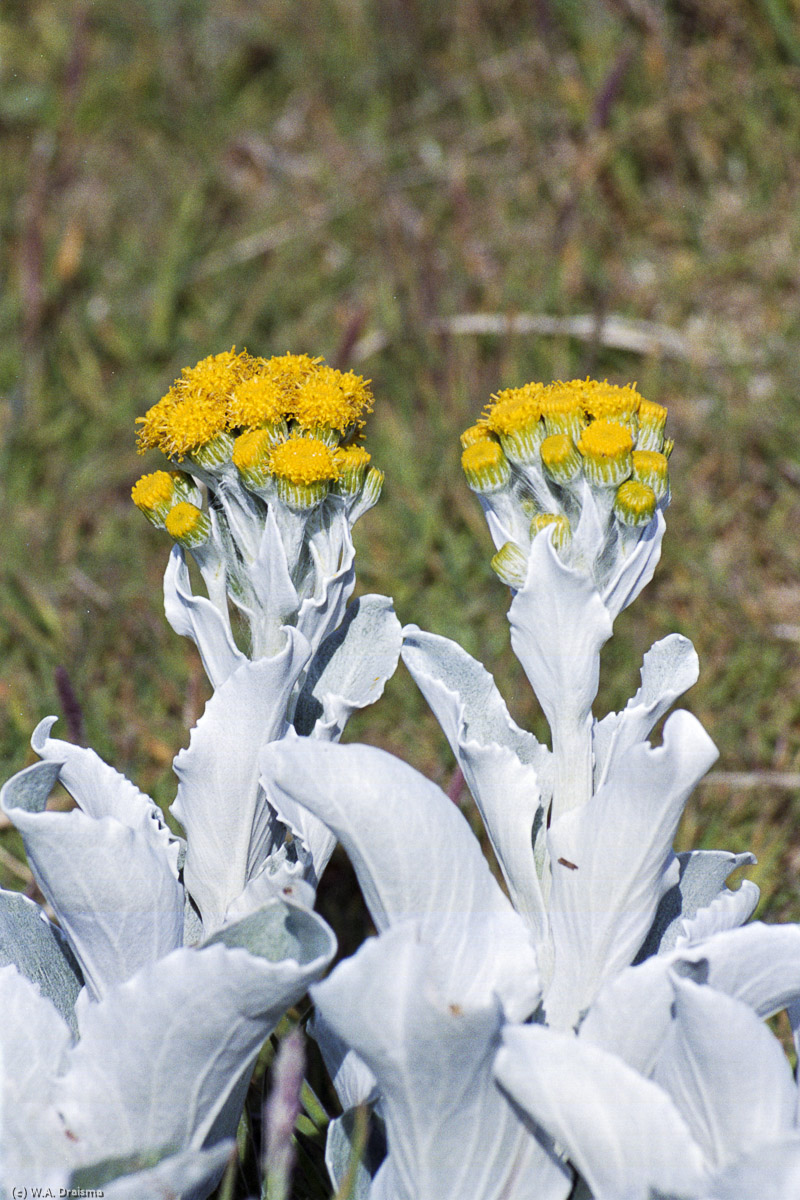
x,y
356,178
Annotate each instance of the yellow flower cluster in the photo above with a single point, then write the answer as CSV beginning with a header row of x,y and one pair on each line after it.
x,y
289,424
561,432
228,394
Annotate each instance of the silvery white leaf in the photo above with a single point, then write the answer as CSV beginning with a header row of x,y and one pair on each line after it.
x,y
332,552
757,964
558,625
314,841
198,618
771,1172
612,862
631,1015
726,1073
101,791
506,769
220,803
450,1132
669,668
190,1174
113,888
193,1022
339,1153
702,877
414,854
622,1132
40,952
278,879
350,668
728,910
636,569
351,1077
34,1043
275,600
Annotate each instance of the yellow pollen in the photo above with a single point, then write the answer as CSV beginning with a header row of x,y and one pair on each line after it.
x,y
303,460
607,400
217,374
482,455
183,520
289,370
515,408
257,401
153,491
605,439
251,449
331,399
190,423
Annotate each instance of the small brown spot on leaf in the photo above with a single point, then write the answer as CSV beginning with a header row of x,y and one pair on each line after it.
x,y
566,863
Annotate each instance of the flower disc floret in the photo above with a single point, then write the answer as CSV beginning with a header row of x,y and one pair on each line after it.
x,y
188,524
257,402
217,374
303,468
351,463
606,449
560,459
251,456
652,420
562,408
485,466
331,400
651,467
635,503
153,493
607,401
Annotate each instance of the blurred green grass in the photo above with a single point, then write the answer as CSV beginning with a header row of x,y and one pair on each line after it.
x,y
346,177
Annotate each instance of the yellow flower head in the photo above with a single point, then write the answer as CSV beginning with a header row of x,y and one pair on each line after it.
x,y
652,419
485,466
560,459
217,374
188,524
251,456
515,408
181,423
475,433
351,463
330,399
635,503
256,402
562,408
606,448
562,533
606,401
651,467
194,410
153,493
303,468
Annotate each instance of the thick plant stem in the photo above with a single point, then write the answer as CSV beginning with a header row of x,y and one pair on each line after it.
x,y
572,760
